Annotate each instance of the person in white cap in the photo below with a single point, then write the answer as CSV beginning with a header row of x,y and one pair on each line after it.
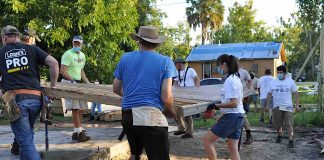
x,y
72,64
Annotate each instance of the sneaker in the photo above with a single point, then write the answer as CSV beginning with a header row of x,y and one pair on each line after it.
x,y
179,132
15,148
82,137
291,144
91,118
187,135
75,136
278,139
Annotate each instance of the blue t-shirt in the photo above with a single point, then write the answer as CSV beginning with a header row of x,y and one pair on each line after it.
x,y
142,74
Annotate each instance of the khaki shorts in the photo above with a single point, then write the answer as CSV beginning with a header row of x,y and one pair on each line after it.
x,y
74,104
282,118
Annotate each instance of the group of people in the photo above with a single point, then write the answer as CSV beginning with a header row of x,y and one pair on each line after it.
x,y
21,59
144,79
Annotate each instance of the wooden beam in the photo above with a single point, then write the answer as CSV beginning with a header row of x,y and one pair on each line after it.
x,y
320,93
307,59
190,100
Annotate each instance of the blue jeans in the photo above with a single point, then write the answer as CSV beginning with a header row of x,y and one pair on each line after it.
x,y
23,128
93,108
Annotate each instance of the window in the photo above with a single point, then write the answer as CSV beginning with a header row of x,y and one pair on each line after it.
x,y
255,68
207,70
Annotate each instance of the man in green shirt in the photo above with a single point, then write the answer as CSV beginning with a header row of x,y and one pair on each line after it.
x,y
72,65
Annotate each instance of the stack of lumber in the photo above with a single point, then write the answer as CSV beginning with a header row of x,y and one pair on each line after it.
x,y
189,100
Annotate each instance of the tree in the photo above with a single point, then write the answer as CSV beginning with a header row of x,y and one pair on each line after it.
x,y
105,26
242,26
207,14
178,41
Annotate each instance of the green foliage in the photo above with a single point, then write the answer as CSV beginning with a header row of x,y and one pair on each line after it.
x,y
207,14
177,43
105,26
309,119
242,26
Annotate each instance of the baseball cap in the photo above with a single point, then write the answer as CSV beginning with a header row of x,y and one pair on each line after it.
x,y
9,29
31,33
77,38
179,60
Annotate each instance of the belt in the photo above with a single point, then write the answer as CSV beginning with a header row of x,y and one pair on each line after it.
x,y
28,91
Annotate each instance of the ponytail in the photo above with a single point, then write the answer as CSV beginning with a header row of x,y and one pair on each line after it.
x,y
232,64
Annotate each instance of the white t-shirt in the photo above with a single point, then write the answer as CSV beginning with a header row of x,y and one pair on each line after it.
x,y
190,77
254,85
232,88
244,77
282,92
263,84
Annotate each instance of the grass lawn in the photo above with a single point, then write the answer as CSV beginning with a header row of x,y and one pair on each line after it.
x,y
56,118
305,119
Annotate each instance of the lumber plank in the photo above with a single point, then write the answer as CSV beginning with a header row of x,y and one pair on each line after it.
x,y
189,100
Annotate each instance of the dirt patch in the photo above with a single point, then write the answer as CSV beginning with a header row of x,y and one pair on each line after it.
x,y
263,147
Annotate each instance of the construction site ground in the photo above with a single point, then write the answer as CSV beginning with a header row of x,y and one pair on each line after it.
x,y
104,134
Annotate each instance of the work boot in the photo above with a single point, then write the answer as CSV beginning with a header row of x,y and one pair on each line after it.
x,y
278,139
82,137
291,144
15,148
249,138
179,132
75,136
91,118
187,135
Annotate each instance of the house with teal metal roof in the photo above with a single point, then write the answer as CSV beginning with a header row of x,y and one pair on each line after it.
x,y
255,57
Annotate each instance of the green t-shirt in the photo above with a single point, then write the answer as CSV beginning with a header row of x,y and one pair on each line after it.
x,y
74,62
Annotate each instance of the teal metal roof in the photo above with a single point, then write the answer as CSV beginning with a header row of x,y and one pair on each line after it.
x,y
257,50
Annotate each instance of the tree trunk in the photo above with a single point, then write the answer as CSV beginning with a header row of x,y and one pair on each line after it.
x,y
203,34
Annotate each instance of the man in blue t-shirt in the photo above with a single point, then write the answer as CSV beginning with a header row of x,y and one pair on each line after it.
x,y
144,78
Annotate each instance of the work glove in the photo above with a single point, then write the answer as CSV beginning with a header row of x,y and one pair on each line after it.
x,y
211,107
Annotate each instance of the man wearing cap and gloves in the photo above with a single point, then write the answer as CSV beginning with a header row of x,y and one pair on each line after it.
x,y
21,83
144,79
28,37
186,77
72,64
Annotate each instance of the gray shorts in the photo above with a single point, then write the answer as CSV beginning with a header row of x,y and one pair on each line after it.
x,y
74,104
263,103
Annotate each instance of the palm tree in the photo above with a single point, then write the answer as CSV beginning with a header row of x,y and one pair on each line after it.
x,y
207,14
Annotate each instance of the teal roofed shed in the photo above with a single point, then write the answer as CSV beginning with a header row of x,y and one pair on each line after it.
x,y
257,50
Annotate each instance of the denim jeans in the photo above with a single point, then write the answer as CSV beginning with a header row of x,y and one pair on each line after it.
x,y
23,128
93,108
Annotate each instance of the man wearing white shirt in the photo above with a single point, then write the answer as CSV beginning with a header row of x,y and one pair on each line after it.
x,y
281,90
246,83
263,87
186,77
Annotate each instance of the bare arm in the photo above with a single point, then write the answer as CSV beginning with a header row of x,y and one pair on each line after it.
x,y
167,98
64,73
269,97
118,87
84,77
53,69
233,103
249,84
197,81
296,95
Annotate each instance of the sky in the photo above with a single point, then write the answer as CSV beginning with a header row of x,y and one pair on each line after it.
x,y
267,10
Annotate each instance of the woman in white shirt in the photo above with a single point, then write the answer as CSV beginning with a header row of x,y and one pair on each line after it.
x,y
231,122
